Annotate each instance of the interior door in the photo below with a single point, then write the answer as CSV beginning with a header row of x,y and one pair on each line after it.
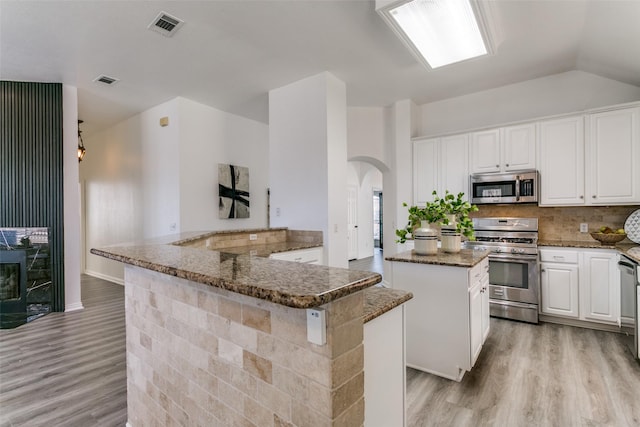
x,y
352,221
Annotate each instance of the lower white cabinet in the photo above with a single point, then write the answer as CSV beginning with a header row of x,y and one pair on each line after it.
x,y
384,370
600,283
559,289
581,284
305,256
447,320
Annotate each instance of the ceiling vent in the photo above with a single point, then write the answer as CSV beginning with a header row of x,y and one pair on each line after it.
x,y
165,24
106,79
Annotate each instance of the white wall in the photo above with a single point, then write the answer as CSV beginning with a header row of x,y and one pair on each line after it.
x,y
72,229
140,178
207,137
365,133
557,94
308,160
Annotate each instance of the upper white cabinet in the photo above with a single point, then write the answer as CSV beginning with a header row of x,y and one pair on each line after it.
x,y
485,151
561,161
599,168
440,164
613,157
504,149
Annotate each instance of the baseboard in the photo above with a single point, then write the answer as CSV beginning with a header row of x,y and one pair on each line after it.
x,y
104,277
579,323
73,307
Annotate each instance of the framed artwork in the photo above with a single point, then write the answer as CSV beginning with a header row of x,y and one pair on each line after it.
x,y
233,191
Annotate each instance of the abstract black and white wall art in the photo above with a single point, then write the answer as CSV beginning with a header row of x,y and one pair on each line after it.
x,y
233,191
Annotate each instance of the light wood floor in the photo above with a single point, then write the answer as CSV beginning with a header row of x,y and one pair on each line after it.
x,y
68,369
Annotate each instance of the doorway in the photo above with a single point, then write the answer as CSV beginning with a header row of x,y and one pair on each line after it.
x,y
378,237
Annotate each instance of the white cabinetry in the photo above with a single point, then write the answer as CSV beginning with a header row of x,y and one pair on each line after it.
x,y
384,370
559,283
599,169
600,286
561,161
440,164
448,318
582,284
613,157
305,256
505,149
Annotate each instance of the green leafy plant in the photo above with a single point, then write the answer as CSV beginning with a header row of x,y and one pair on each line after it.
x,y
436,212
456,205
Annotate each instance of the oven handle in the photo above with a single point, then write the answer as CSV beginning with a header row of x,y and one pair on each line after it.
x,y
525,258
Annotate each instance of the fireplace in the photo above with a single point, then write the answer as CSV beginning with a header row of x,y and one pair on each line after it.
x,y
25,275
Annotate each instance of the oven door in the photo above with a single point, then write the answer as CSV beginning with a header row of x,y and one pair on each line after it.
x,y
514,278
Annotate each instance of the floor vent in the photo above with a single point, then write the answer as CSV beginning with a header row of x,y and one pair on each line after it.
x,y
106,79
165,24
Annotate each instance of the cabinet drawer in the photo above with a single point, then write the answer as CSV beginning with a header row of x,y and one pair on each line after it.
x,y
307,256
552,255
479,273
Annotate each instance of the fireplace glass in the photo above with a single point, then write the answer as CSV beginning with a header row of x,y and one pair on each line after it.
x,y
25,275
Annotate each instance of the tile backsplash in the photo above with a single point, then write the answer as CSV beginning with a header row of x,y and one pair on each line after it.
x,y
562,223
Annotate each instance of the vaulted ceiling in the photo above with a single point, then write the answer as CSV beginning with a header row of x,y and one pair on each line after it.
x,y
229,54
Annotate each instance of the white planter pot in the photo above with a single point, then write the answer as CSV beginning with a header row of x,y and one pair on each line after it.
x,y
451,242
425,239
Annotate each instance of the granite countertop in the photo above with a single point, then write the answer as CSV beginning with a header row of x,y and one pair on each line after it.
x,y
192,236
630,249
269,248
379,300
464,258
282,282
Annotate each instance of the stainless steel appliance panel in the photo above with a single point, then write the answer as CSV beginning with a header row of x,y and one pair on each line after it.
x,y
513,187
514,310
629,302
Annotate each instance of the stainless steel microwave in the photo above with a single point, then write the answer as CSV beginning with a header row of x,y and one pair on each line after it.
x,y
513,187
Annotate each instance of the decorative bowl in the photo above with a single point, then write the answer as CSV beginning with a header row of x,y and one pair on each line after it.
x,y
609,238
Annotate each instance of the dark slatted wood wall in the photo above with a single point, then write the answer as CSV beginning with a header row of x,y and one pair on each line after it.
x,y
31,173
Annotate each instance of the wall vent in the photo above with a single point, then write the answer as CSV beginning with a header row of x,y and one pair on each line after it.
x,y
106,79
165,24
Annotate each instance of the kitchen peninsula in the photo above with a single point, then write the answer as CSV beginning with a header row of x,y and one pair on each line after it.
x,y
222,336
448,319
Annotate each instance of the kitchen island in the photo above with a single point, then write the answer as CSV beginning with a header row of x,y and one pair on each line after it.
x,y
448,318
216,338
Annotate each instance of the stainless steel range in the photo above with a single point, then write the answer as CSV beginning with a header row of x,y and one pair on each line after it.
x,y
514,279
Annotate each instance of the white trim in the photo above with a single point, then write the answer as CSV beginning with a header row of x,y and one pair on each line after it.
x,y
104,277
73,307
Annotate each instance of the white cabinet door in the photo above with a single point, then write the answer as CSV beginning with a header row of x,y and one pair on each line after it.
x,y
561,161
475,321
599,287
425,170
559,288
486,313
454,164
613,154
485,151
519,147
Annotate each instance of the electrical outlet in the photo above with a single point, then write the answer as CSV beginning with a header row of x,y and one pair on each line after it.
x,y
253,237
277,211
584,227
316,326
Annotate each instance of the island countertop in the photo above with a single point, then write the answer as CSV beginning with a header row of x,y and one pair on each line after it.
x,y
464,258
282,282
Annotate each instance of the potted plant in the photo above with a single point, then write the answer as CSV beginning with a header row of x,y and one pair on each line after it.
x,y
456,212
450,211
431,213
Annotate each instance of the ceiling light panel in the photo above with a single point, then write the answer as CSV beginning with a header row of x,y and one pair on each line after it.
x,y
440,32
